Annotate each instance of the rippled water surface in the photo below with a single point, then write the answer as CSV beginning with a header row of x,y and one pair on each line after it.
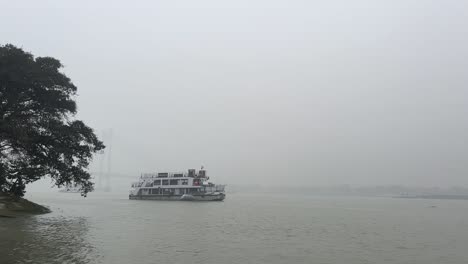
x,y
245,228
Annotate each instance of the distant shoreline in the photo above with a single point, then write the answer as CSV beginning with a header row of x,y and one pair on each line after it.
x,y
435,196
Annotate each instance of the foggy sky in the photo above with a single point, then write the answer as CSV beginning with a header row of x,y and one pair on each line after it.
x,y
260,91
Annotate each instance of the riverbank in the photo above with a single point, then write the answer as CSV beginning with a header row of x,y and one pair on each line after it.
x,y
15,206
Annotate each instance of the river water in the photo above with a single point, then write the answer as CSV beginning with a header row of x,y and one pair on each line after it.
x,y
245,228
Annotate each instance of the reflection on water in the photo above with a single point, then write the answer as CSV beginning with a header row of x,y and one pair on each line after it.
x,y
43,239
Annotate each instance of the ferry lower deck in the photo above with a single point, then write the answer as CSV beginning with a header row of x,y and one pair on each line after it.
x,y
169,197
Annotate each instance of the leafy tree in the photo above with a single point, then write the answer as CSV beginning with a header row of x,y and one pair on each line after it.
x,y
39,136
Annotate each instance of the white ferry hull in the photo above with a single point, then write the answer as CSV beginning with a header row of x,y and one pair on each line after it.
x,y
196,197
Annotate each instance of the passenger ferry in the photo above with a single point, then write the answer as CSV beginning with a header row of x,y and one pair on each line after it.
x,y
190,186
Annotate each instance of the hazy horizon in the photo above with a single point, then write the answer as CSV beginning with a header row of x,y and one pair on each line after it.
x,y
364,92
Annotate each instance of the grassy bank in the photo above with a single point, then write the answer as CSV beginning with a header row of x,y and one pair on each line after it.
x,y
11,206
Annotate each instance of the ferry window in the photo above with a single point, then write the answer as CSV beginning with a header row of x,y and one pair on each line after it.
x,y
163,174
157,182
185,182
174,182
165,182
178,175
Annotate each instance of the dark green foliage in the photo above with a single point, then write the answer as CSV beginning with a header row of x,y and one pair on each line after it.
x,y
38,135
